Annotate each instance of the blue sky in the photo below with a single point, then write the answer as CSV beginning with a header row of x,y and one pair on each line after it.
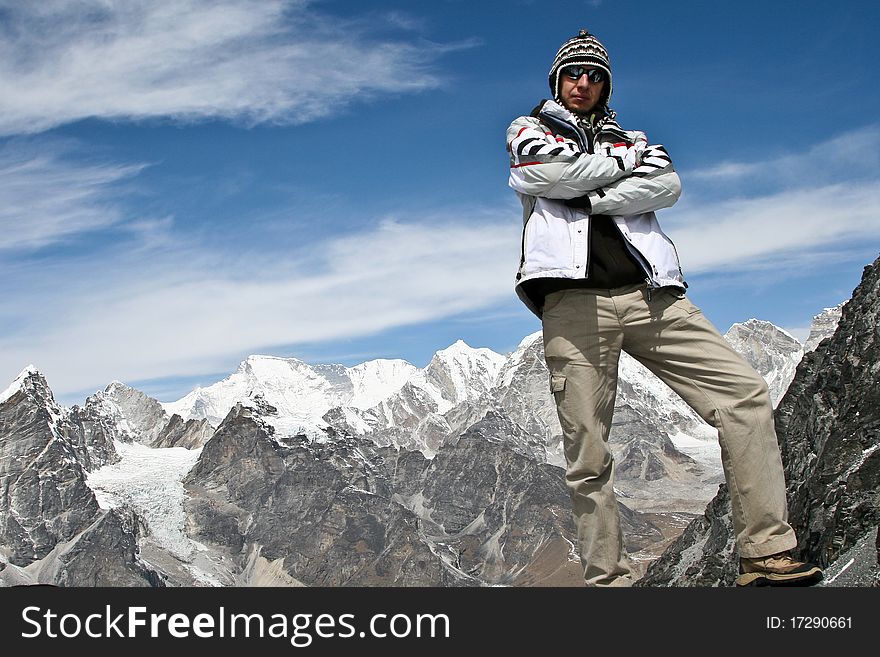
x,y
186,183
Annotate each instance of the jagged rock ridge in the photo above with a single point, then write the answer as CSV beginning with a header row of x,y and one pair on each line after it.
x,y
346,512
51,527
773,353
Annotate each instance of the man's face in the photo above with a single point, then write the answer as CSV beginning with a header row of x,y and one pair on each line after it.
x,y
580,95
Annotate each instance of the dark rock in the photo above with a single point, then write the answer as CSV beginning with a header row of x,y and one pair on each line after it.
x,y
179,433
345,512
44,498
105,554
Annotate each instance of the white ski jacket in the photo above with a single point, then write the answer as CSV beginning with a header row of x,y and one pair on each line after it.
x,y
552,159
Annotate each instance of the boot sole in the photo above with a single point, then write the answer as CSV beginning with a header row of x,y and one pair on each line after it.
x,y
806,578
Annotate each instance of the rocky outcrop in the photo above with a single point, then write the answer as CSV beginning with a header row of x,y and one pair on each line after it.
x,y
52,530
823,326
482,511
829,431
44,499
179,433
828,426
773,353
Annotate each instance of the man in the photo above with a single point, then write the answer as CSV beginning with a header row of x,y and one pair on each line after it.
x,y
603,277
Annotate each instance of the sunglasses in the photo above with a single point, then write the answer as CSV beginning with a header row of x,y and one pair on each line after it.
x,y
575,72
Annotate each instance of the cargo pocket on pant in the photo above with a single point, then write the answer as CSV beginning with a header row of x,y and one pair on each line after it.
x,y
557,387
557,384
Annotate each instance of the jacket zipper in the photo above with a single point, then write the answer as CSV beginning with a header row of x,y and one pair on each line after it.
x,y
642,260
586,143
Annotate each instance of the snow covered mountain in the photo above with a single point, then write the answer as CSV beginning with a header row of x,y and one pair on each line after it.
x,y
396,403
299,393
134,415
773,353
393,403
824,325
52,529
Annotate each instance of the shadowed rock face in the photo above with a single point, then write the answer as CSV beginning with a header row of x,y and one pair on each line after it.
x,y
828,426
190,434
105,554
771,351
44,498
51,528
349,513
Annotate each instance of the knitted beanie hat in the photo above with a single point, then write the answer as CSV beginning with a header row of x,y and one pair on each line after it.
x,y
586,50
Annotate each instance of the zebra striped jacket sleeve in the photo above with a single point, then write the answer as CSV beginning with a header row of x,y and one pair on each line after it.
x,y
653,185
546,165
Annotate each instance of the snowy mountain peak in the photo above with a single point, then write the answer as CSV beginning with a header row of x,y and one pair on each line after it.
x,y
300,393
462,372
382,365
33,385
271,366
115,387
463,353
823,326
530,340
461,349
457,346
378,379
29,379
133,414
761,326
772,351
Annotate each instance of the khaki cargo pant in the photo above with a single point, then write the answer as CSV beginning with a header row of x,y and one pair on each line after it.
x,y
584,332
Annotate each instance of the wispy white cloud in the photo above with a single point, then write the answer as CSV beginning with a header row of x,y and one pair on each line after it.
x,y
185,312
786,228
786,210
845,156
45,198
245,60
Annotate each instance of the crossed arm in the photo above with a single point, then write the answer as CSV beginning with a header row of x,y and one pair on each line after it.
x,y
620,180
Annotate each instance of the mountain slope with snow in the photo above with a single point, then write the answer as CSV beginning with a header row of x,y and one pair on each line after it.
x,y
299,393
773,352
823,326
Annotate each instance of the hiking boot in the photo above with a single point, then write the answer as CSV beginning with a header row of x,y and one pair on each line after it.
x,y
777,570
